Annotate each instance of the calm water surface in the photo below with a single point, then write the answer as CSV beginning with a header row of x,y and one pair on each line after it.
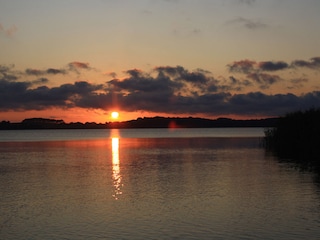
x,y
151,184
78,134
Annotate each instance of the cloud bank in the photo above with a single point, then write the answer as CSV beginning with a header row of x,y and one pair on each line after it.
x,y
164,89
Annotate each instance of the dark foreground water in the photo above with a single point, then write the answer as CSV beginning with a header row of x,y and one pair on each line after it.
x,y
151,184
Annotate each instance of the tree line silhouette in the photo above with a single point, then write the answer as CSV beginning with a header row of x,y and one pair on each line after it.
x,y
146,122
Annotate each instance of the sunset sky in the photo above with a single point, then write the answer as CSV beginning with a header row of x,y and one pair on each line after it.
x,y
79,60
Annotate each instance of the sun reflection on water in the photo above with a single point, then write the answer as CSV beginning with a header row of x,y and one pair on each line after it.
x,y
116,176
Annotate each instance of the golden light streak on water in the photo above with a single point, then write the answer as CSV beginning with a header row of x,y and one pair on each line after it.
x,y
116,176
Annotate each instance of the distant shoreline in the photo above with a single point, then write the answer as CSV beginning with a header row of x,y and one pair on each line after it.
x,y
147,122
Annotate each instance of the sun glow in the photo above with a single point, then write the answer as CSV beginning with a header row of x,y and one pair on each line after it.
x,y
115,115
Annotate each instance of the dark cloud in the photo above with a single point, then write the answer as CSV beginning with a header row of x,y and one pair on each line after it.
x,y
4,69
247,23
135,73
72,66
6,73
253,103
20,95
55,71
314,63
75,66
242,66
298,83
139,82
41,81
143,85
172,90
264,80
249,66
111,74
161,93
272,66
37,72
236,84
227,84
179,73
9,91
299,80
258,103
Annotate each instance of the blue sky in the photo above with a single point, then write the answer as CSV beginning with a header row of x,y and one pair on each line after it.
x,y
208,39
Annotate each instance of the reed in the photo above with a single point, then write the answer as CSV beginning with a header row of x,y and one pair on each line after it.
x,y
296,137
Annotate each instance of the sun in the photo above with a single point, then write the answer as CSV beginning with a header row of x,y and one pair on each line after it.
x,y
115,115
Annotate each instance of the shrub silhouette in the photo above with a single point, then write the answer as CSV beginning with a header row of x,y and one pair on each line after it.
x,y
297,137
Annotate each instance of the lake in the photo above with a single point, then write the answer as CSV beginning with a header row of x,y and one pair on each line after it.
x,y
152,184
